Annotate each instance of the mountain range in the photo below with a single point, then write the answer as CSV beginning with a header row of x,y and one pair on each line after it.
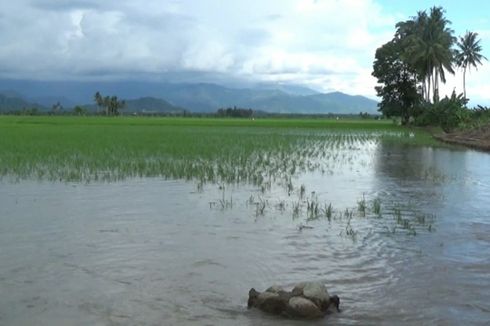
x,y
163,97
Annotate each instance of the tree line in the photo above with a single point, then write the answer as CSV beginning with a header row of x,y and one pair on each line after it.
x,y
411,67
110,104
235,112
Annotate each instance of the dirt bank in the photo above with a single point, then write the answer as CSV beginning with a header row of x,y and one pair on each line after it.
x,y
475,138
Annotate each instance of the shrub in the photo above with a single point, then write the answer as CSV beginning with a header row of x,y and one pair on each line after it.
x,y
449,113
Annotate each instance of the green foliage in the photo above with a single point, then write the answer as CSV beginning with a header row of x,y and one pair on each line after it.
x,y
78,110
449,113
427,48
480,113
468,54
410,67
398,92
235,112
478,117
56,108
111,103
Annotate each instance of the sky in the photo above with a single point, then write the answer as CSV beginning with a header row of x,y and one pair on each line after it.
x,y
328,45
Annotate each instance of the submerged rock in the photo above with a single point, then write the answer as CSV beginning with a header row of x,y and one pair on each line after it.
x,y
306,300
314,291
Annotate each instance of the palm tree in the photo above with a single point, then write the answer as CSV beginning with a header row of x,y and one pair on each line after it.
x,y
428,48
98,100
468,54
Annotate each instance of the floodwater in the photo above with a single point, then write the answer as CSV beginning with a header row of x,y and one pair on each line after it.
x,y
164,252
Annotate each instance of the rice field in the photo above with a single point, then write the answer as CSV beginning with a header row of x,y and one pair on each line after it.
x,y
100,214
229,151
265,154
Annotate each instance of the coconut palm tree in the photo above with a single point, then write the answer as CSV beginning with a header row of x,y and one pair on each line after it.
x,y
428,49
98,100
442,53
468,54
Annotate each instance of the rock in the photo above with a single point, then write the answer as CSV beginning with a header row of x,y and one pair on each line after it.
x,y
300,307
275,289
306,300
317,292
270,302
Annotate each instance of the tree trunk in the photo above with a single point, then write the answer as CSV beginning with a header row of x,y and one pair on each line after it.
x,y
434,82
428,87
464,82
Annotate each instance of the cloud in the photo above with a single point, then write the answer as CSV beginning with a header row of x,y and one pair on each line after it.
x,y
325,44
61,5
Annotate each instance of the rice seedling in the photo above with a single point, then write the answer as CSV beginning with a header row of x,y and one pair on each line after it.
x,y
361,205
266,153
348,213
260,207
250,200
289,186
349,231
313,207
281,206
296,209
328,211
397,213
377,207
302,191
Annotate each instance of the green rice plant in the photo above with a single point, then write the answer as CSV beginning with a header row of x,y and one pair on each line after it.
x,y
348,213
224,151
296,210
302,191
260,208
361,206
290,187
349,230
313,207
281,206
328,211
412,231
200,186
377,207
397,213
250,200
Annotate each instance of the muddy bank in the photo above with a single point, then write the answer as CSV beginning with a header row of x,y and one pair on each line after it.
x,y
476,138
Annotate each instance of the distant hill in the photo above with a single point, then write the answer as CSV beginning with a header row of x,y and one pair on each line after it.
x,y
49,101
194,97
286,88
320,103
11,102
149,105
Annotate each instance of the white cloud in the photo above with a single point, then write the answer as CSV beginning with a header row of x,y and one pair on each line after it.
x,y
327,44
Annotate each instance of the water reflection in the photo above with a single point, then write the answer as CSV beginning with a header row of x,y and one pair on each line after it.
x,y
150,251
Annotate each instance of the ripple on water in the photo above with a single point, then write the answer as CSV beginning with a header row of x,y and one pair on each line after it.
x,y
140,253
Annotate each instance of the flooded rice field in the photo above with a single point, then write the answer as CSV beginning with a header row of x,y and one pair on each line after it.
x,y
400,233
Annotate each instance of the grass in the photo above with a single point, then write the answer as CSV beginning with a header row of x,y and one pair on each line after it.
x,y
228,151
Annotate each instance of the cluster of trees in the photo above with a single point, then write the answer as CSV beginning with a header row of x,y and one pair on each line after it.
x,y
111,104
235,112
411,66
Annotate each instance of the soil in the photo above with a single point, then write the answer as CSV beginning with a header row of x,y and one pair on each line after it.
x,y
475,138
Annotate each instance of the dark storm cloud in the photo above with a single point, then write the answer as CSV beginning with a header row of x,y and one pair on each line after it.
x,y
302,41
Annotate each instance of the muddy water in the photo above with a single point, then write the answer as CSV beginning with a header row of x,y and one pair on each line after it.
x,y
160,252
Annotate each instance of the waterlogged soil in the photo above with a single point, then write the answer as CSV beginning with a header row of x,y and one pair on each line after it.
x,y
477,138
405,242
